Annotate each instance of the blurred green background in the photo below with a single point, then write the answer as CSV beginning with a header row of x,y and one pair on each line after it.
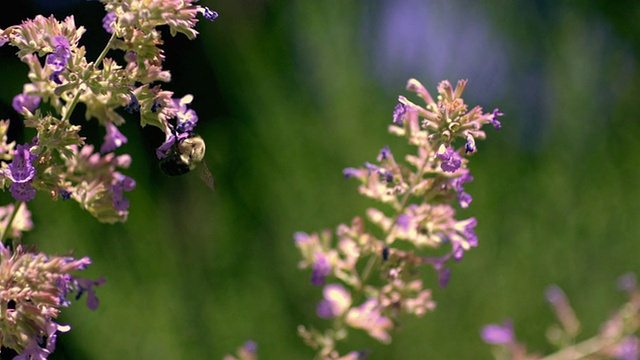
x,y
291,92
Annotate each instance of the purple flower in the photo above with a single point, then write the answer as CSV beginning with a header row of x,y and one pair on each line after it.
x,y
470,145
21,172
352,172
321,268
86,285
209,14
133,106
22,191
58,59
183,113
385,154
163,150
125,183
29,102
250,346
451,160
498,334
464,199
113,139
444,273
494,119
107,20
21,169
398,114
469,233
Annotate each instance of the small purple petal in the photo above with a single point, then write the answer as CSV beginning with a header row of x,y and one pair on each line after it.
x,y
22,191
21,169
58,59
162,151
498,334
125,183
470,145
87,286
250,346
469,232
209,14
351,172
398,114
385,154
464,199
494,119
186,127
321,268
113,139
451,160
29,102
107,20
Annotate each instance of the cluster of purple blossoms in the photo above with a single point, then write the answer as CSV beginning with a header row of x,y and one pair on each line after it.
x,y
58,161
67,78
33,288
422,193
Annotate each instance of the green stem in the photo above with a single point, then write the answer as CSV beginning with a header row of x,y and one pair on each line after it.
x,y
105,50
580,350
373,259
5,231
403,205
76,98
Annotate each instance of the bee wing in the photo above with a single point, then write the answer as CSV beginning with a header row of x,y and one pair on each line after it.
x,y
206,176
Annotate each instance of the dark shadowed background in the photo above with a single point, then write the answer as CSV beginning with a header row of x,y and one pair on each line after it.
x,y
291,92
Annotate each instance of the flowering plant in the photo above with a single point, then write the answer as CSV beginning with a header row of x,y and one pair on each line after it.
x,y
58,161
419,230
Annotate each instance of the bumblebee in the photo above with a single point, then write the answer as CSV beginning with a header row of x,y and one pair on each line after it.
x,y
185,155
